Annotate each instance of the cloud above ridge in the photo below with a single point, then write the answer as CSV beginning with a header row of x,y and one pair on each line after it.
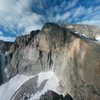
x,y
21,16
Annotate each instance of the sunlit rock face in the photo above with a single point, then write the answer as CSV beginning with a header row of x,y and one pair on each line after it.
x,y
53,37
74,59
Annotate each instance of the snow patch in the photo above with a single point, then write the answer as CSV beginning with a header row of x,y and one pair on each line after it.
x,y
44,76
8,89
76,32
70,26
98,38
81,34
52,84
84,35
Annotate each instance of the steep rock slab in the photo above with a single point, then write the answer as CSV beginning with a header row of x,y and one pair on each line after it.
x,y
76,60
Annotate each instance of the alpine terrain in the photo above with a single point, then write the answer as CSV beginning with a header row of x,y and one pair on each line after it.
x,y
58,62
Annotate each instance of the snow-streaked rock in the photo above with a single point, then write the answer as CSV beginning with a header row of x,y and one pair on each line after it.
x,y
8,89
84,35
12,88
98,38
52,84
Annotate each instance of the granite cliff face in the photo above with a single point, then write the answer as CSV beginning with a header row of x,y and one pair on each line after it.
x,y
74,59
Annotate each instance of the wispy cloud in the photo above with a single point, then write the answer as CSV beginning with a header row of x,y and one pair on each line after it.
x,y
79,12
7,38
21,16
89,15
15,16
62,17
1,33
71,4
90,22
72,11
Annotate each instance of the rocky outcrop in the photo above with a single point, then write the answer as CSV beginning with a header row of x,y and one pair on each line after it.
x,y
23,41
9,49
53,37
75,60
1,77
4,47
51,95
18,58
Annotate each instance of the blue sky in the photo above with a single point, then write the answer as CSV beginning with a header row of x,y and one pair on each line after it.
x,y
19,17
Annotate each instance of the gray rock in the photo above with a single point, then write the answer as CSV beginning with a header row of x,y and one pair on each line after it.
x,y
51,95
74,59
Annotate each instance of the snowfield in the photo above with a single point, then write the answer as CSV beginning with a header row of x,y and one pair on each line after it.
x,y
8,90
52,84
98,38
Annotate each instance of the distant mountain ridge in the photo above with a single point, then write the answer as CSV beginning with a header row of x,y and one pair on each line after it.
x,y
90,30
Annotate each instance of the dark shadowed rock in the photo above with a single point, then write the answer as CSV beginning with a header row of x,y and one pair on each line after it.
x,y
51,95
5,46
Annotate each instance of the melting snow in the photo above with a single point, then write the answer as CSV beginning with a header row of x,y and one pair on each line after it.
x,y
52,84
98,38
70,26
8,89
81,34
77,32
84,35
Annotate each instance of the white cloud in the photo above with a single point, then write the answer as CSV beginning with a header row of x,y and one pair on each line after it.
x,y
16,15
71,4
82,15
90,22
97,8
62,17
73,12
1,33
79,11
7,38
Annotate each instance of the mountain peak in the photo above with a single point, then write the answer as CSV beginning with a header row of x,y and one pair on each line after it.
x,y
72,57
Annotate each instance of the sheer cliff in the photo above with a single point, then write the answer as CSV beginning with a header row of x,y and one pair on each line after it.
x,y
73,58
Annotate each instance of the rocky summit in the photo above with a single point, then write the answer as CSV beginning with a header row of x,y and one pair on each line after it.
x,y
72,57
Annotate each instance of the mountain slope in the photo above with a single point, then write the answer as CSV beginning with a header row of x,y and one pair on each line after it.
x,y
73,58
